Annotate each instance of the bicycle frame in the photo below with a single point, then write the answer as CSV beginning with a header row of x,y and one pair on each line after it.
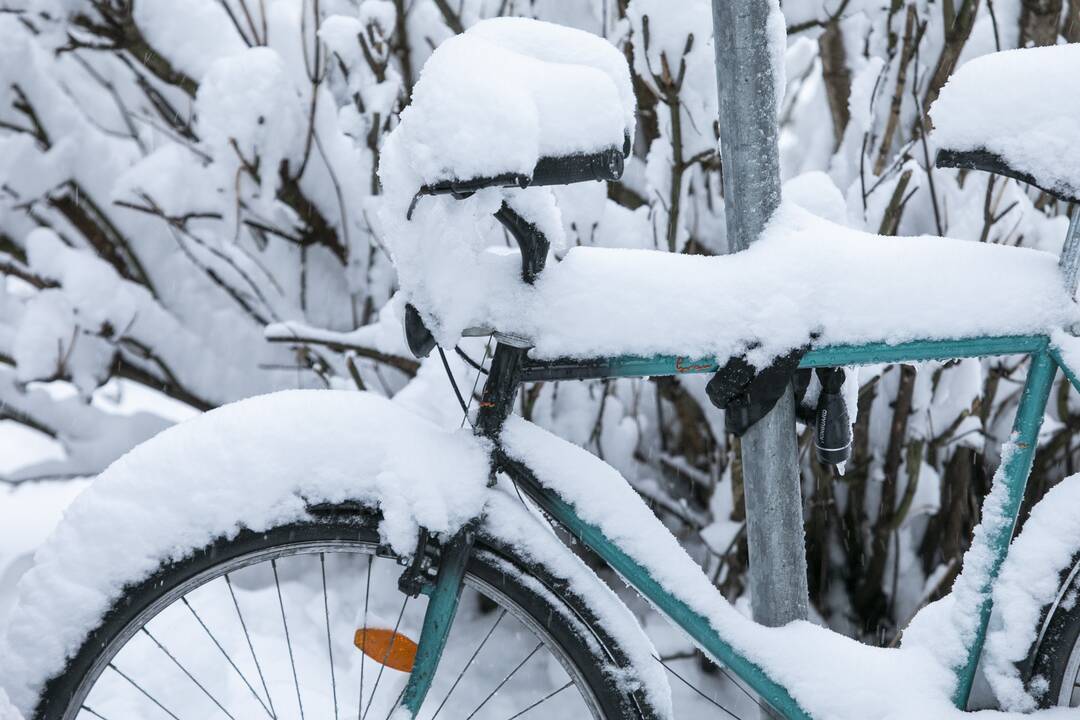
x,y
511,366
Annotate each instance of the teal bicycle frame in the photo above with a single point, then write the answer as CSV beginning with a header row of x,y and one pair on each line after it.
x,y
1045,361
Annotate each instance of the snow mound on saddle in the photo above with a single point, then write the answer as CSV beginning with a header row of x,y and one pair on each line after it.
x,y
509,91
1023,105
253,464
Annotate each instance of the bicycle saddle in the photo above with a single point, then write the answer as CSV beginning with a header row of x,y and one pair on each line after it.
x,y
1015,113
514,102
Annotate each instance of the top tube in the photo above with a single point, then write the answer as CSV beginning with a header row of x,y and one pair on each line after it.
x,y
827,356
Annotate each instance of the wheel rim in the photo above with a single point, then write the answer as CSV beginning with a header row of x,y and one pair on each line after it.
x,y
1069,696
502,664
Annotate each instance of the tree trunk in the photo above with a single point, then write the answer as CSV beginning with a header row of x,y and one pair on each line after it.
x,y
1039,22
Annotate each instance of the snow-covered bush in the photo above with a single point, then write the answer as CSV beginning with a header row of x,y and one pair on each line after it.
x,y
189,203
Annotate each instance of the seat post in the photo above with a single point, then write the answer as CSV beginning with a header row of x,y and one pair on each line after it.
x,y
1070,253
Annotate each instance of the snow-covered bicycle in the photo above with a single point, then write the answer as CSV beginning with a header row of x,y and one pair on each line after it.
x,y
333,554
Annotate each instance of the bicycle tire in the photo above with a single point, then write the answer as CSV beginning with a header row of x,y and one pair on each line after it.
x,y
507,579
1053,666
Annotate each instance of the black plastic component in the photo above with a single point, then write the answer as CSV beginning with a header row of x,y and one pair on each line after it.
x,y
464,188
418,575
746,394
566,369
832,427
419,339
987,161
533,243
500,390
604,165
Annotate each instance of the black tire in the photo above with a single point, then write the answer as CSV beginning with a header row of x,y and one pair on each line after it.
x,y
1053,667
600,663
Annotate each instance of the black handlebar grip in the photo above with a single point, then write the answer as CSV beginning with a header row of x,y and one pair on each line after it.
x,y
605,165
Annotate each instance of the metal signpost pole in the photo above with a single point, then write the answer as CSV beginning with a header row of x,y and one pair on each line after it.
x,y
745,80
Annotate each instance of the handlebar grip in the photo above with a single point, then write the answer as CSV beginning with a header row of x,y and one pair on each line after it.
x,y
606,164
986,161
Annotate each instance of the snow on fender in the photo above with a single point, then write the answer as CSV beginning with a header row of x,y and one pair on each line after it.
x,y
254,464
261,463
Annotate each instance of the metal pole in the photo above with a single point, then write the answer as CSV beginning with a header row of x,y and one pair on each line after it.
x,y
748,133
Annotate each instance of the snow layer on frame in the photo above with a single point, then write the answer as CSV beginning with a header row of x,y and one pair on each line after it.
x,y
806,276
830,675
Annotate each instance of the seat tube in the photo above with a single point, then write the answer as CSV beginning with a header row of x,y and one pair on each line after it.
x,y
1001,509
504,376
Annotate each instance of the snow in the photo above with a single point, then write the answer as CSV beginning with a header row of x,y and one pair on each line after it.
x,y
806,276
1028,582
845,680
197,33
512,523
7,710
279,453
284,451
507,92
1023,105
248,101
255,464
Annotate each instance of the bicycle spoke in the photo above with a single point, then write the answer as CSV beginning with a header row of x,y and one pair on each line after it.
x,y
251,647
363,638
690,685
386,656
138,687
288,641
225,654
93,712
329,645
541,701
394,706
469,663
186,672
505,680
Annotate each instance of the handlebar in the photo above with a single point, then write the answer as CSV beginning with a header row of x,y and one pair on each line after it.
x,y
604,165
987,161
562,170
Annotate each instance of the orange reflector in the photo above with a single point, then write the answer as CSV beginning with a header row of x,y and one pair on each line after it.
x,y
387,647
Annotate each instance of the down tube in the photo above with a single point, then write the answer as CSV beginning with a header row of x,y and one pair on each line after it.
x,y
1014,474
679,612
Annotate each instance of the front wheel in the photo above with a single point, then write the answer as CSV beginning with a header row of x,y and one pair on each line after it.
x,y
307,621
